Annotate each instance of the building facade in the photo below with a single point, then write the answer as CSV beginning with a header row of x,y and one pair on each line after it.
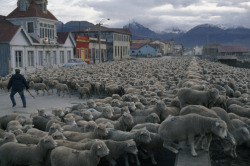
x,y
33,42
144,50
117,41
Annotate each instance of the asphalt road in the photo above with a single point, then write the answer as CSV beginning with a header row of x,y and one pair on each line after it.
x,y
48,102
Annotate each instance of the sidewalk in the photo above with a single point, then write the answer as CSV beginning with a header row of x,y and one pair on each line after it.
x,y
48,102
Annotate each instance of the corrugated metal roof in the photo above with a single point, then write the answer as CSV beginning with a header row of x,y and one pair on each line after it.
x,y
33,11
232,49
7,30
102,28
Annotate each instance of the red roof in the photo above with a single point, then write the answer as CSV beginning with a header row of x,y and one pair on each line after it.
x,y
7,30
232,49
33,11
62,37
139,45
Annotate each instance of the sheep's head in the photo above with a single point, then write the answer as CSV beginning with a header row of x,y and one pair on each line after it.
x,y
108,112
101,130
100,149
160,106
90,126
130,146
153,118
214,93
86,114
127,119
143,136
47,142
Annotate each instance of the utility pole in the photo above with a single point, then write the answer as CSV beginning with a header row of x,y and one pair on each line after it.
x,y
99,34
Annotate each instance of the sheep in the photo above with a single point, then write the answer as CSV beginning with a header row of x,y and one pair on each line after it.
x,y
151,118
20,154
40,122
107,112
76,145
62,87
243,119
181,128
4,120
27,139
115,90
83,91
87,126
155,143
23,120
13,125
53,128
8,137
124,123
39,86
3,84
91,103
151,127
239,110
63,156
194,97
141,136
116,149
99,132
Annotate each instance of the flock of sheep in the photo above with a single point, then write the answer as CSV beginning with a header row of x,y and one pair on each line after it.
x,y
133,108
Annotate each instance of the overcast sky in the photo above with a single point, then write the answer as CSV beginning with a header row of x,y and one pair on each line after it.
x,y
157,15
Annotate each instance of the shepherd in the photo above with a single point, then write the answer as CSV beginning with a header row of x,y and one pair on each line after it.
x,y
17,83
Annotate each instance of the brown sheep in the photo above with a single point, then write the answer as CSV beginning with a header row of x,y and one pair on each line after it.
x,y
184,128
99,133
194,97
63,156
20,154
239,110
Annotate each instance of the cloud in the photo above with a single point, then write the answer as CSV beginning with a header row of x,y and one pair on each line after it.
x,y
155,14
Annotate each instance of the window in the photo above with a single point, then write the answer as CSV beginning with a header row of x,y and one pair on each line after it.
x,y
31,58
90,57
47,30
54,57
86,53
68,55
40,58
30,27
19,59
61,57
78,52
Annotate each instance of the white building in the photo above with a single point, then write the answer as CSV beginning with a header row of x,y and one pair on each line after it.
x,y
30,40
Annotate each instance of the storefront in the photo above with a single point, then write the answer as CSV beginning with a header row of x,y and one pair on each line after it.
x,y
82,47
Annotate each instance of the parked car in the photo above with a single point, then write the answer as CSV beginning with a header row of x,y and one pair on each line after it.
x,y
75,62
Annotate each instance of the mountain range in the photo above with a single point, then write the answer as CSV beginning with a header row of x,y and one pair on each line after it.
x,y
199,35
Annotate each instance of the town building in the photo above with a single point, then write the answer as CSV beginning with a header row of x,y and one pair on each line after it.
x,y
217,51
29,39
117,40
144,50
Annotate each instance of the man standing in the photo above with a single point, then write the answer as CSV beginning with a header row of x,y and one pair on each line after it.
x,y
17,82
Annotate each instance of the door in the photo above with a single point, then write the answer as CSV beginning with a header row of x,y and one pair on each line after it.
x,y
83,54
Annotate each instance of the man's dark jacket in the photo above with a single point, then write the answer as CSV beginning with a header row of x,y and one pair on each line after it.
x,y
17,82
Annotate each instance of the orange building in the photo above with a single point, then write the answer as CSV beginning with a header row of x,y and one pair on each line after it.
x,y
82,47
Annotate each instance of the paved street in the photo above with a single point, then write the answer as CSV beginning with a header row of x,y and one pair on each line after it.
x,y
47,101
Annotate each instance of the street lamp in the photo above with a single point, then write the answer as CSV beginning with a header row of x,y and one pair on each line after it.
x,y
99,34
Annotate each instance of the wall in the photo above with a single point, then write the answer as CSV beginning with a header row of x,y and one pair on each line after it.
x,y
4,58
